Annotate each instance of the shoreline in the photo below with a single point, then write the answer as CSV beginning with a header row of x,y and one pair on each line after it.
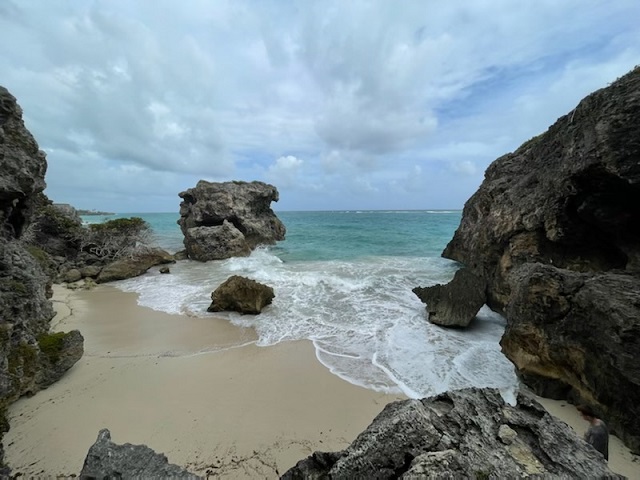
x,y
200,391
196,389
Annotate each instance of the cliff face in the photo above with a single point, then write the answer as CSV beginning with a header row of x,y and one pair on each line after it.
x,y
30,357
554,235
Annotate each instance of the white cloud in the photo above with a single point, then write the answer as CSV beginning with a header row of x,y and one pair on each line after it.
x,y
284,171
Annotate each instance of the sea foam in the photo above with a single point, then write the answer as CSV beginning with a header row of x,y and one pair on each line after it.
x,y
364,321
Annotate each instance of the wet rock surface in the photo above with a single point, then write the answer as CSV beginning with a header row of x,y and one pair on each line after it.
x,y
240,294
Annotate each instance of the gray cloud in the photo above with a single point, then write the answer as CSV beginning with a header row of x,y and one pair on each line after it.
x,y
368,95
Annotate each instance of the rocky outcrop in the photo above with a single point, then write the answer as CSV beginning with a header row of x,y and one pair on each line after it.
x,y
222,220
554,231
240,294
23,167
135,265
468,433
106,459
455,304
30,357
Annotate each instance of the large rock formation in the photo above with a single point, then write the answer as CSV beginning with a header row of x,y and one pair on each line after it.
x,y
554,232
30,357
222,220
106,459
468,433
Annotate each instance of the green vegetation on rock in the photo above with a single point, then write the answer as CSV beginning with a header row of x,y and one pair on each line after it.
x,y
117,238
15,286
52,344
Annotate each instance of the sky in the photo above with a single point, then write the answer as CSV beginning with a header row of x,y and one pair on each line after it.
x,y
341,105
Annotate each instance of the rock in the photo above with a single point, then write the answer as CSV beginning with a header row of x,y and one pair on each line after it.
x,y
467,433
181,255
25,308
23,167
457,303
554,231
240,294
72,275
59,352
164,270
106,459
216,243
90,271
68,211
132,267
221,220
580,339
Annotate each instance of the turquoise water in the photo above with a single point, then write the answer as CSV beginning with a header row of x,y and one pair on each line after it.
x,y
343,280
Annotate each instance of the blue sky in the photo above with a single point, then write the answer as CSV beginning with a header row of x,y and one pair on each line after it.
x,y
340,105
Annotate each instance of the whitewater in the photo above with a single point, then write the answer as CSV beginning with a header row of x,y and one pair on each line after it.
x,y
344,281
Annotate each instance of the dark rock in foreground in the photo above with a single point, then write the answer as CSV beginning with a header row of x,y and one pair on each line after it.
x,y
554,231
240,294
469,433
222,220
109,460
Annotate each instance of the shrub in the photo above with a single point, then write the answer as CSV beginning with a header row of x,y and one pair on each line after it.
x,y
51,345
117,238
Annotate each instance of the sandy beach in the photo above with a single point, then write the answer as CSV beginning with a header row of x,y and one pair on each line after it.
x,y
198,390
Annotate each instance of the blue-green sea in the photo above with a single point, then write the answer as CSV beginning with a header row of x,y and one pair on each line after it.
x,y
343,280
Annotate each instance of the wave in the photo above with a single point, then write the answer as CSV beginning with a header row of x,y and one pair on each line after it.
x,y
362,317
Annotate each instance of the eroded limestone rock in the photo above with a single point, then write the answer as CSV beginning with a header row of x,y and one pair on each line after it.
x,y
240,294
457,303
25,310
106,459
468,433
138,264
222,220
554,230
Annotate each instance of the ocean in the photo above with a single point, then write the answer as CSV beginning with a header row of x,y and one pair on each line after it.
x,y
343,280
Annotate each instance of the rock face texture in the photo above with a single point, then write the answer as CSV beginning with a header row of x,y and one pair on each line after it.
x,y
109,460
222,220
554,231
240,294
468,433
30,357
132,267
457,303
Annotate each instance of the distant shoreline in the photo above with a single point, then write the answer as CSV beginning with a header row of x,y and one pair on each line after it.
x,y
93,212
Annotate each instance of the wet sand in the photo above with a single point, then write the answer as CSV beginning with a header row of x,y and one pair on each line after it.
x,y
196,389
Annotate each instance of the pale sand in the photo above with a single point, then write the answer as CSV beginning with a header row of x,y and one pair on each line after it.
x,y
151,378
245,412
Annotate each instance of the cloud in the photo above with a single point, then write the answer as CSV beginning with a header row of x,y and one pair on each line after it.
x,y
284,171
364,91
